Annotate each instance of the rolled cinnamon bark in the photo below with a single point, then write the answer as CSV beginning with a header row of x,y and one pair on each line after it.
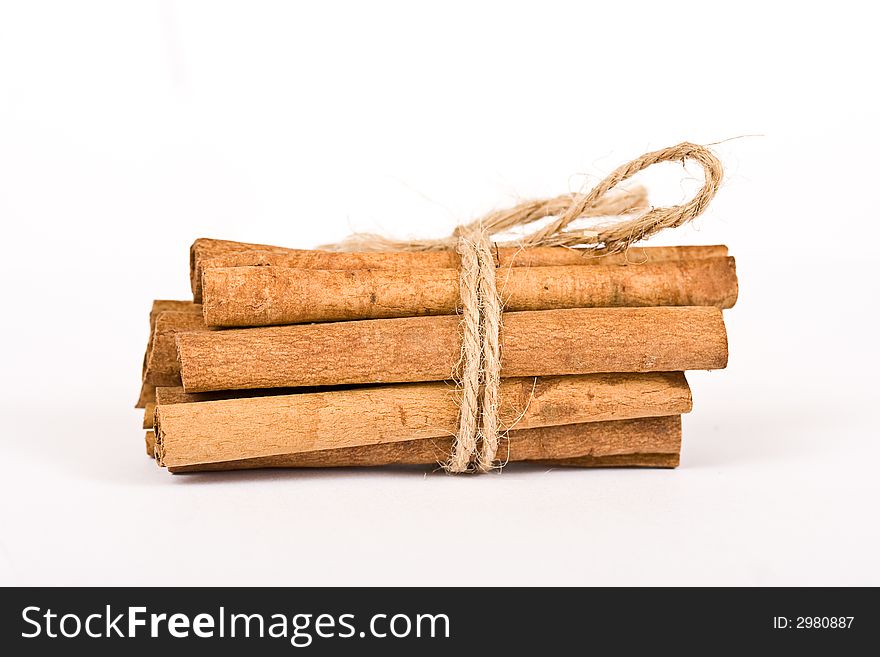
x,y
166,305
620,461
264,296
149,413
148,390
540,343
204,248
641,442
222,253
235,429
170,305
162,368
146,396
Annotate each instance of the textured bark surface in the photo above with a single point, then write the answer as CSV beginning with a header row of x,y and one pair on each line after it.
x,y
168,305
540,343
592,350
165,305
149,413
162,367
206,253
146,395
233,429
620,461
148,390
637,442
660,461
205,248
263,296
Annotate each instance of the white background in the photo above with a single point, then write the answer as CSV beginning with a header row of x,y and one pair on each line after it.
x,y
129,129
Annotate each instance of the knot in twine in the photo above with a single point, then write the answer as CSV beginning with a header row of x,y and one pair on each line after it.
x,y
476,442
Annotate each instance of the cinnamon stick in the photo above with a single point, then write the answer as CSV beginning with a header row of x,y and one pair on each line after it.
x,y
161,306
263,296
204,248
645,442
664,461
150,442
146,396
224,253
149,412
540,343
233,429
170,305
162,368
177,395
620,461
147,393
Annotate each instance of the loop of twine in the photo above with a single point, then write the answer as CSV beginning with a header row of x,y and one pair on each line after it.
x,y
477,439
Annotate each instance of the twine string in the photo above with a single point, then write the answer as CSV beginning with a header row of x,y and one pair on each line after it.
x,y
476,442
471,348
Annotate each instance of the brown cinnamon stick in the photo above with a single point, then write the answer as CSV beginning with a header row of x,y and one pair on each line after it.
x,y
166,305
665,461
149,412
204,248
541,343
646,442
234,429
162,368
147,393
223,253
169,305
146,396
263,296
620,461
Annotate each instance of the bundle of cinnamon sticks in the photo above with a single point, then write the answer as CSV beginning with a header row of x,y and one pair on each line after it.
x,y
308,358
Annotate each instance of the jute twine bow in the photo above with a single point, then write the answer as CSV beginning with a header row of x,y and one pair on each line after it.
x,y
476,442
